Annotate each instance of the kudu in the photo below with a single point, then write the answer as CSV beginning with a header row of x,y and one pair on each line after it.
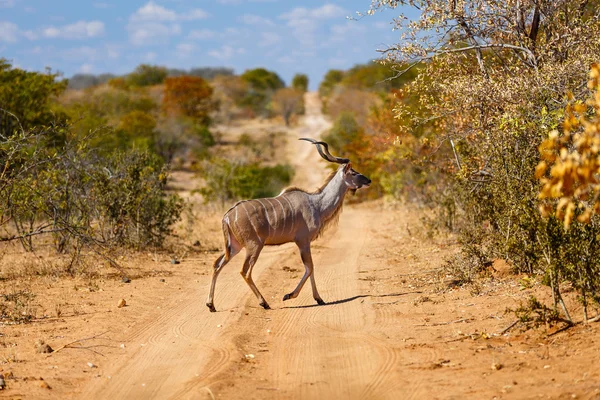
x,y
293,216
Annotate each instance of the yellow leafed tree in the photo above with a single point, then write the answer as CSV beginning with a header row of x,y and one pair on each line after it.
x,y
570,162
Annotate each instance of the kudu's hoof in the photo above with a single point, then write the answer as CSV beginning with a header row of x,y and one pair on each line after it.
x,y
320,302
287,297
265,306
211,307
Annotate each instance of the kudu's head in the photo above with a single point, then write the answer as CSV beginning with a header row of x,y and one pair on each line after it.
x,y
353,179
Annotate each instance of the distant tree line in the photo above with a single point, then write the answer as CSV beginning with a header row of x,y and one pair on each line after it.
x,y
84,81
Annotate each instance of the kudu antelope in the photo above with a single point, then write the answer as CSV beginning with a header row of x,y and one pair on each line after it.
x,y
293,216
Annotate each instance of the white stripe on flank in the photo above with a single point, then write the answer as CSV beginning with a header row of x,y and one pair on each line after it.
x,y
249,218
236,214
266,214
292,212
283,213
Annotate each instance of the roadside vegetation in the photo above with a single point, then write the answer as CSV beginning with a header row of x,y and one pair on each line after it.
x,y
486,123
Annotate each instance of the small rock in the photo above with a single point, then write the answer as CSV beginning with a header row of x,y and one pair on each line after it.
x,y
126,280
174,261
497,366
92,365
162,280
196,243
44,385
42,347
45,348
546,366
122,303
2,383
122,345
501,269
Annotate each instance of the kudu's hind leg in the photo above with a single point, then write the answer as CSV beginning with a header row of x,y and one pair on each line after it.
x,y
308,272
217,267
252,253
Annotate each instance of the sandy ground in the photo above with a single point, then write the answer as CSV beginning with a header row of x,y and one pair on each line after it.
x,y
393,328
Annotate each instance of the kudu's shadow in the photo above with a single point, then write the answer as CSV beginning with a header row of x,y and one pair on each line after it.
x,y
349,299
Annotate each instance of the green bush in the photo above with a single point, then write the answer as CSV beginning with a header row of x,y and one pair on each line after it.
x,y
226,180
83,198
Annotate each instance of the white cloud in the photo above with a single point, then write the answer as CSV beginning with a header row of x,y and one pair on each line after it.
x,y
305,22
153,12
226,52
7,3
286,60
324,12
344,32
78,30
150,56
153,23
31,35
201,34
87,54
86,68
257,20
194,14
185,50
150,33
9,32
384,25
269,39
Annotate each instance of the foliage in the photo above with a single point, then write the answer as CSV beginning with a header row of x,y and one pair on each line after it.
x,y
262,80
229,93
189,96
377,77
138,128
534,314
288,102
26,100
233,180
146,75
478,130
300,82
356,101
130,199
80,198
330,80
126,118
208,73
573,160
84,81
261,84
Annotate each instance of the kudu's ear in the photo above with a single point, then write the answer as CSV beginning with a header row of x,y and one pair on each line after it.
x,y
347,167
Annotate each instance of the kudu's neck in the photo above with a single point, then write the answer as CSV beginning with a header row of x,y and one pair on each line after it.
x,y
332,196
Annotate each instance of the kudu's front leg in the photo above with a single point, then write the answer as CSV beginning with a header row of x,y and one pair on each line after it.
x,y
308,272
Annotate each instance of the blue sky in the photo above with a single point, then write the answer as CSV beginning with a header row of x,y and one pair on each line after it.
x,y
310,36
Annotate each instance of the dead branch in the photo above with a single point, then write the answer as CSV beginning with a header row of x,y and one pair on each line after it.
x,y
446,323
508,328
69,345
